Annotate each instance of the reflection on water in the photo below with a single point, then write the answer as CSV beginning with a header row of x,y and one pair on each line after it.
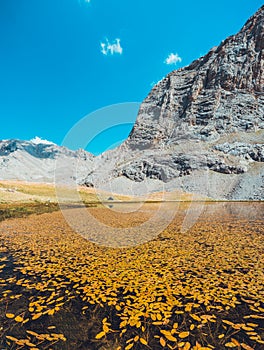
x,y
248,210
239,210
130,224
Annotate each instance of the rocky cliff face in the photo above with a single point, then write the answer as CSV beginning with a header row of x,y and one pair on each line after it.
x,y
219,93
201,124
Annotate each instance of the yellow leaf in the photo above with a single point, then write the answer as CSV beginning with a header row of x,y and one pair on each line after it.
x,y
11,338
257,317
36,316
100,335
162,342
228,322
187,346
28,343
143,341
106,328
168,335
123,331
129,340
184,335
245,328
233,340
230,345
21,341
130,346
19,319
252,324
195,317
10,315
246,347
123,324
33,333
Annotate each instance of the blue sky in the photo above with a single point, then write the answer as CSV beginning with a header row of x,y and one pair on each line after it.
x,y
63,59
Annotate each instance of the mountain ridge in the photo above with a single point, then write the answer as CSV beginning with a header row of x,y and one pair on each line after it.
x,y
37,161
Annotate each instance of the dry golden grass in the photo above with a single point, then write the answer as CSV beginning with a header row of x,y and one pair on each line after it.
x,y
28,188
176,196
197,290
20,191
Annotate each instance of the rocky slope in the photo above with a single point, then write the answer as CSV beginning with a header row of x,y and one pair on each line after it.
x,y
202,127
36,160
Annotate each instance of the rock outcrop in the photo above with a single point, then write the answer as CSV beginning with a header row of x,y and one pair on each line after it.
x,y
219,93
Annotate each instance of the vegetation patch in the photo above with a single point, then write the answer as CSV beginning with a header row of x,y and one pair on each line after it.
x,y
19,210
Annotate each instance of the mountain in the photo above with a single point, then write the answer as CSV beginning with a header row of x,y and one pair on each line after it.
x,y
201,128
219,93
36,160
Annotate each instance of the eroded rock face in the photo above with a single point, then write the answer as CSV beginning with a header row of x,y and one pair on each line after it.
x,y
240,149
221,92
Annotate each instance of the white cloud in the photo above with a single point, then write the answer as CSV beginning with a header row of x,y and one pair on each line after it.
x,y
39,141
111,48
173,58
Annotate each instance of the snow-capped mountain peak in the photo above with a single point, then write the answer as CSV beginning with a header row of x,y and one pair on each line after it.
x,y
39,141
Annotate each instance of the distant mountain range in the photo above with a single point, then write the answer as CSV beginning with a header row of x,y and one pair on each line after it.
x,y
201,129
37,159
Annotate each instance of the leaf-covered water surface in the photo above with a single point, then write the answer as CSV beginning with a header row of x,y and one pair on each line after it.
x,y
202,289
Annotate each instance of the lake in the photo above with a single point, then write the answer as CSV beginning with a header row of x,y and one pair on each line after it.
x,y
152,276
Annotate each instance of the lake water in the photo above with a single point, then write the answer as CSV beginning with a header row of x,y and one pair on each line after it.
x,y
157,276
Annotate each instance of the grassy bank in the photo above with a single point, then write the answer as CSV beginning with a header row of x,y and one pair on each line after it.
x,y
19,210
